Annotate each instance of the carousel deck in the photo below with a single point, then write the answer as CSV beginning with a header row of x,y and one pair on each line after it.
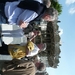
x,y
11,40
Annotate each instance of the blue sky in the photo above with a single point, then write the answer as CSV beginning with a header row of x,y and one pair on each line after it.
x,y
67,60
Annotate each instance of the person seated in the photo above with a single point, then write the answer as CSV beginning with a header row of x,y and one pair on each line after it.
x,y
37,49
20,51
33,34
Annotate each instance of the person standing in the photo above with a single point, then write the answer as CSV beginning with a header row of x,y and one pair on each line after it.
x,y
22,67
23,12
18,67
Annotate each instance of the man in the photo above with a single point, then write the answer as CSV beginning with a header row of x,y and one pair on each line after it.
x,y
18,67
16,13
37,49
47,3
22,67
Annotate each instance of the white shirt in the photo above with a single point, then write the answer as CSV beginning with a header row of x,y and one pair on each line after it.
x,y
15,14
33,52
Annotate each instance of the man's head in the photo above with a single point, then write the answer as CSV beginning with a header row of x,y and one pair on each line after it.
x,y
47,3
50,14
40,66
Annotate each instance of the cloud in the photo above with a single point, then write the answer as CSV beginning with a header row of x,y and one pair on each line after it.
x,y
61,31
72,10
70,2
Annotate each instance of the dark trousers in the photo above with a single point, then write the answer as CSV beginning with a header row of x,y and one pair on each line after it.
x,y
3,18
4,49
4,1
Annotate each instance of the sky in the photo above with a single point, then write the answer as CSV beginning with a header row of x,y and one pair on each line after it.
x,y
67,25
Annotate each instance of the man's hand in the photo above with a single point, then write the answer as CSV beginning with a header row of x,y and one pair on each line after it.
x,y
23,24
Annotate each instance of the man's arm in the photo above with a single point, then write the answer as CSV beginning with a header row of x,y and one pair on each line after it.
x,y
23,24
25,17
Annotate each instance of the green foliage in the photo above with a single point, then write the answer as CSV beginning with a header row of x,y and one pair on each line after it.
x,y
57,6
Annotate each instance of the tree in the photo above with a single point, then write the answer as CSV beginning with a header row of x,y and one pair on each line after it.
x,y
55,4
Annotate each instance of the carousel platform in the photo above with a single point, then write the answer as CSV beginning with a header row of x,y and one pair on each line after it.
x,y
11,40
